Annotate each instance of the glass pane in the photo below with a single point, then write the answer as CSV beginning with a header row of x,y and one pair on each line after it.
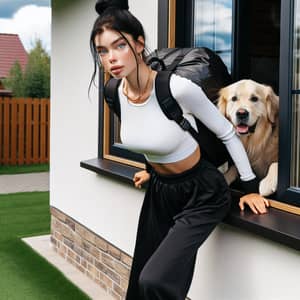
x,y
295,167
296,81
213,27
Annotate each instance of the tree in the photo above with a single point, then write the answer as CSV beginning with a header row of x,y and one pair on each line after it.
x,y
37,73
35,81
15,81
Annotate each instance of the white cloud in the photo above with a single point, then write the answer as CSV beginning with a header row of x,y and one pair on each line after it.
x,y
30,22
219,43
209,14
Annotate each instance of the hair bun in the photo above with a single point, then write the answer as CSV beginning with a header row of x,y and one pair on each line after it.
x,y
102,5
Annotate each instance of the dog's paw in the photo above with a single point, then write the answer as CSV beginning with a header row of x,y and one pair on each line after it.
x,y
268,185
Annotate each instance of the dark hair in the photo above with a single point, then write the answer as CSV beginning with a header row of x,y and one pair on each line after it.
x,y
114,15
102,5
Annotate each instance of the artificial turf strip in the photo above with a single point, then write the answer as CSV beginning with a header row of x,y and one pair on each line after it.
x,y
23,273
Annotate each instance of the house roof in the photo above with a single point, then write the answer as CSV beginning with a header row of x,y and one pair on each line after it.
x,y
11,49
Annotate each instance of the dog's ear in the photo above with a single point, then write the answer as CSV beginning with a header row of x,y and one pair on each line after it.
x,y
272,104
222,101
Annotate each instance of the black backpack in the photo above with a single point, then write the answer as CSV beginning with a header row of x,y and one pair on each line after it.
x,y
202,66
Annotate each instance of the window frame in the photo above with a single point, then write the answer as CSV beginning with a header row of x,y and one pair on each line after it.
x,y
106,150
285,191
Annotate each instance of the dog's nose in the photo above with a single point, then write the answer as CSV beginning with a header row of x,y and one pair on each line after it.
x,y
242,114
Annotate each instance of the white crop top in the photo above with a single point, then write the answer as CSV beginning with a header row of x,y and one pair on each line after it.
x,y
145,128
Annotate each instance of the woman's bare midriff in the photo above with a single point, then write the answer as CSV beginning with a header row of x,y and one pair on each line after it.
x,y
178,166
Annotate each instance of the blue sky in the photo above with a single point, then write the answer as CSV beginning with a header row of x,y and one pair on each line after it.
x,y
213,26
9,7
30,19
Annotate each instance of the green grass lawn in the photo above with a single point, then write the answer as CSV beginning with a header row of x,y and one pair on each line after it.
x,y
24,169
23,273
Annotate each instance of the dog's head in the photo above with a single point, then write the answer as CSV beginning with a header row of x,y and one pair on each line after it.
x,y
246,102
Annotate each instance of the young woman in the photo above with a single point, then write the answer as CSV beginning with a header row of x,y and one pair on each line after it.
x,y
186,196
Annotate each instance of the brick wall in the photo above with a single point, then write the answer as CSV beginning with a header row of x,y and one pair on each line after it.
x,y
101,261
105,264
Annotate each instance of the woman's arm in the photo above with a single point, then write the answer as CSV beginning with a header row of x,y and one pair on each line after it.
x,y
193,100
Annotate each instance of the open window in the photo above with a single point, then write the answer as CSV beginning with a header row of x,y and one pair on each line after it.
x,y
256,39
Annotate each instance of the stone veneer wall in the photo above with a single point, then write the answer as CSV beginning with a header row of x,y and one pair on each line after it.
x,y
104,263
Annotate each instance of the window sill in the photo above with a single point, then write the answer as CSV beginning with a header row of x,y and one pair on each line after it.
x,y
276,225
110,168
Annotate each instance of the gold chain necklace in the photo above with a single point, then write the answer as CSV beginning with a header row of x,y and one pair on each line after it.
x,y
140,97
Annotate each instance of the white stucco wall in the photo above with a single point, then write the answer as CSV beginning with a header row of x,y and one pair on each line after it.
x,y
232,265
101,204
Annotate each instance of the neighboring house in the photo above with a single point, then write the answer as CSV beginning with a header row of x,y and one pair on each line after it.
x,y
95,212
11,50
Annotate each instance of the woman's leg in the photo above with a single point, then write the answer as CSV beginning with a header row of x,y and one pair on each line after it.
x,y
168,273
150,233
178,214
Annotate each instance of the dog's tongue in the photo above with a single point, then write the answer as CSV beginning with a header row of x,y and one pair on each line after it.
x,y
242,128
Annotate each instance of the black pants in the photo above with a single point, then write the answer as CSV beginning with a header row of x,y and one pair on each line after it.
x,y
178,214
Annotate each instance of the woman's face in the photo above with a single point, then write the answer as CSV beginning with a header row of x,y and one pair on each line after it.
x,y
115,54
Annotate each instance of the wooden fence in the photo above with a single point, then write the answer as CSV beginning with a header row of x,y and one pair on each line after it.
x,y
24,131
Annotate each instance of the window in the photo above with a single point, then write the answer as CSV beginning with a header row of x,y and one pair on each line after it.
x,y
213,27
110,145
295,160
256,46
254,38
289,146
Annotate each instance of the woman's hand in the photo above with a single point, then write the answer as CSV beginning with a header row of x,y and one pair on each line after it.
x,y
256,202
140,177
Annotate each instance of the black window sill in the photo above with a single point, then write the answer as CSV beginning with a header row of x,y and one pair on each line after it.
x,y
276,225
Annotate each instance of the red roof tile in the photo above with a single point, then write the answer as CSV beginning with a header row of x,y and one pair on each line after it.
x,y
11,49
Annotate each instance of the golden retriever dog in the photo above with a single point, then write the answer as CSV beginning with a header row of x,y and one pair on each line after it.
x,y
252,108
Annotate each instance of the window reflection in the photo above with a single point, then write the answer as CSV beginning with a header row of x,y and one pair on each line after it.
x,y
296,83
295,163
213,27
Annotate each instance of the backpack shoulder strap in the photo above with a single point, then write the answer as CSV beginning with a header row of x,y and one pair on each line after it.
x,y
112,96
169,105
